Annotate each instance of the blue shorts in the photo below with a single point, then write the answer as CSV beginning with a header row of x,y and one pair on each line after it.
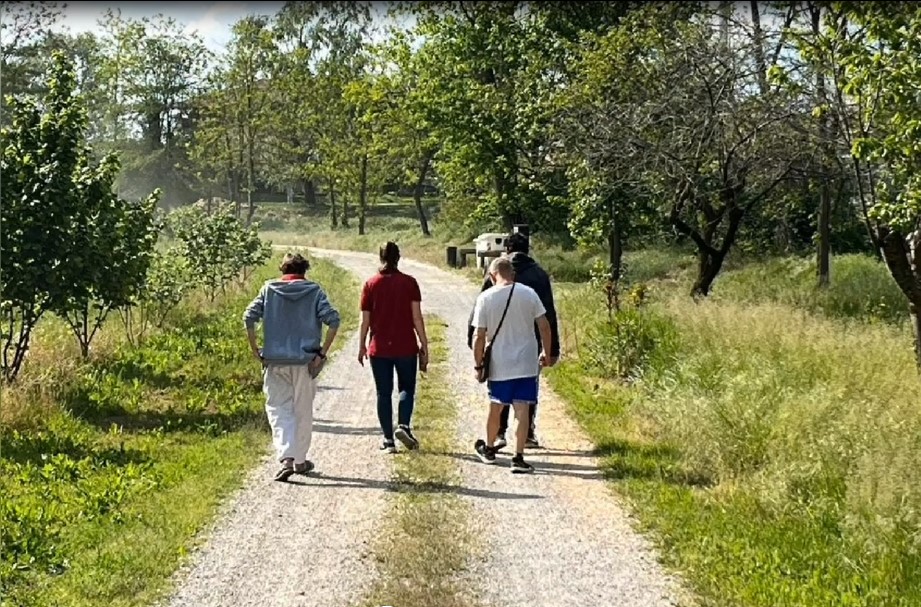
x,y
510,391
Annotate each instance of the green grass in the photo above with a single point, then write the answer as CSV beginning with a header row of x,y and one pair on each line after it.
x,y
110,468
771,450
426,542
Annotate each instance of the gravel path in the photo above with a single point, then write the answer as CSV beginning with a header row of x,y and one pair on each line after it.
x,y
304,544
307,544
580,547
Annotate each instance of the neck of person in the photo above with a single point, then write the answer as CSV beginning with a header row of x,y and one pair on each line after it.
x,y
503,282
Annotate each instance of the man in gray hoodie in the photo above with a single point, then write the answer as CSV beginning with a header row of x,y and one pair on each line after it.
x,y
292,310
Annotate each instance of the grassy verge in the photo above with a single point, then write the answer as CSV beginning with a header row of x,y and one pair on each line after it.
x,y
426,543
110,468
772,451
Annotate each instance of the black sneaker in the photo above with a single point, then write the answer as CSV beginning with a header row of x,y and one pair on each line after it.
x,y
519,466
389,446
284,473
486,454
501,442
305,468
405,436
532,443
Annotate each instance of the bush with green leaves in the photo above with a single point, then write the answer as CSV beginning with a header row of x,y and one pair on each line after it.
x,y
218,246
69,244
169,278
634,342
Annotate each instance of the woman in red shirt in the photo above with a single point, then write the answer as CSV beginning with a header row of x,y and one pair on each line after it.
x,y
391,309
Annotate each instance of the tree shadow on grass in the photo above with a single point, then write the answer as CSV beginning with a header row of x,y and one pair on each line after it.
x,y
36,447
623,460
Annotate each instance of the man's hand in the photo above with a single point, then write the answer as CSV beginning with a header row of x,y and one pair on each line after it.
x,y
553,361
545,360
424,359
316,363
362,354
257,354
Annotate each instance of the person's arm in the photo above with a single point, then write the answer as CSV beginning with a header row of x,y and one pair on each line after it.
x,y
550,306
478,324
543,326
487,283
365,324
329,316
419,326
251,316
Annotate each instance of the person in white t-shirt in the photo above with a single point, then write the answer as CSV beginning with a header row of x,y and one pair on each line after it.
x,y
511,309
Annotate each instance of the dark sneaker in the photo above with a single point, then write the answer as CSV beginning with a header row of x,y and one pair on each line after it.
x,y
305,468
405,436
389,446
532,443
284,474
519,466
501,442
486,454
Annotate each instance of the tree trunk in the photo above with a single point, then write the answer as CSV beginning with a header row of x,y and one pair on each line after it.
x,y
333,216
363,195
904,263
289,194
827,157
710,263
310,192
250,180
760,60
615,245
417,194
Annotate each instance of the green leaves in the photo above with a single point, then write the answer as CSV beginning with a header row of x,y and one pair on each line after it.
x,y
70,244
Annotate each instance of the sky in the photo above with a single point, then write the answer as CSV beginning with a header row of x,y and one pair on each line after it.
x,y
212,20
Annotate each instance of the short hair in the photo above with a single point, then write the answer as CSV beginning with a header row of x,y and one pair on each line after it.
x,y
503,267
294,263
517,243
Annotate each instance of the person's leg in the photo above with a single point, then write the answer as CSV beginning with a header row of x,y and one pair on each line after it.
x,y
486,449
406,368
532,415
305,390
524,395
279,408
503,421
406,384
382,369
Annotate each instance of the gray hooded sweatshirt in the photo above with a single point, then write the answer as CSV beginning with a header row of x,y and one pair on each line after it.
x,y
292,312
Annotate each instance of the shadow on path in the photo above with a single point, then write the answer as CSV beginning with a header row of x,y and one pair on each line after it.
x,y
400,486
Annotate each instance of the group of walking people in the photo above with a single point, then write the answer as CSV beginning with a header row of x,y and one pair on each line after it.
x,y
512,333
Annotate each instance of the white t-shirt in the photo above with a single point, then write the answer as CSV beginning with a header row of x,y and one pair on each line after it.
x,y
515,353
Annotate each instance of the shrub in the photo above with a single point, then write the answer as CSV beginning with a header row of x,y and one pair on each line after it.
x,y
635,342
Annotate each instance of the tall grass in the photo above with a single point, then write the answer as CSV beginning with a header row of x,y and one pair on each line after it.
x,y
775,450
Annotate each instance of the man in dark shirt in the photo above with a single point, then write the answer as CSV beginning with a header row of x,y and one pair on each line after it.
x,y
527,272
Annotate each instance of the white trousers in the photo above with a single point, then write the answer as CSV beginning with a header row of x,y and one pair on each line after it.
x,y
289,393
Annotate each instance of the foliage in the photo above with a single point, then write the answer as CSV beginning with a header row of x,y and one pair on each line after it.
x,y
66,235
168,280
217,246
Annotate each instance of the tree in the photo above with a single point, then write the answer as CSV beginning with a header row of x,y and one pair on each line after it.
x,y
874,49
25,28
57,211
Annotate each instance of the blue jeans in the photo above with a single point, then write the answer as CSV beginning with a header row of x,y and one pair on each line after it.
x,y
382,369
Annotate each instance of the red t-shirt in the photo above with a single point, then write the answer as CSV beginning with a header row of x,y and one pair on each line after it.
x,y
388,296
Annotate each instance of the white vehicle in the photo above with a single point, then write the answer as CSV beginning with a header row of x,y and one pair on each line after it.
x,y
489,242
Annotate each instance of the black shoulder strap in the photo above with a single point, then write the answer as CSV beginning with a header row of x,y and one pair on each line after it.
x,y
504,312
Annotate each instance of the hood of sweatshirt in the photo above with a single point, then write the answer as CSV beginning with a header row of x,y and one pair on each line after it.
x,y
292,290
521,262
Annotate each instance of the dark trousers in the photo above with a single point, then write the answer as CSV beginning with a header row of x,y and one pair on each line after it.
x,y
503,420
383,369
